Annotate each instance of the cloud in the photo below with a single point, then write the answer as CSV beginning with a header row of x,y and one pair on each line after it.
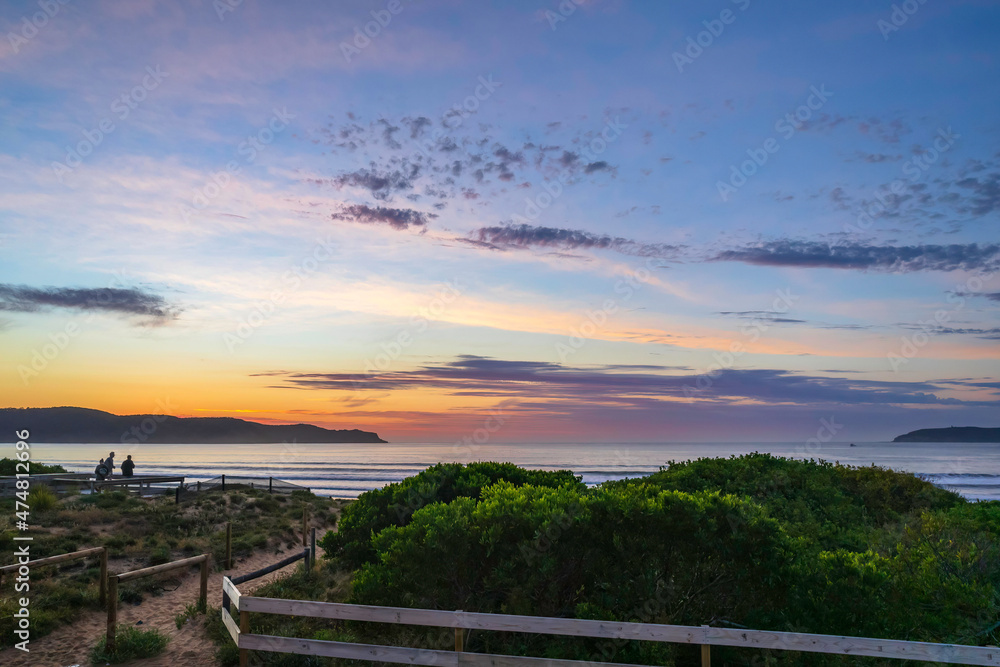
x,y
397,218
903,259
768,315
600,165
381,184
522,237
987,334
992,296
133,301
624,385
984,194
454,158
875,158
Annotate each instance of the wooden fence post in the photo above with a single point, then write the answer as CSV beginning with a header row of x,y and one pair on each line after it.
x,y
312,547
706,655
244,630
203,593
104,576
229,545
305,523
459,637
109,642
223,481
270,483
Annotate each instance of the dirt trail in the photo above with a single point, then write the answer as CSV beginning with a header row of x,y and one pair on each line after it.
x,y
188,647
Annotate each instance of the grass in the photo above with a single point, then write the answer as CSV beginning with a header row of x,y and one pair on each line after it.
x,y
190,611
42,498
131,643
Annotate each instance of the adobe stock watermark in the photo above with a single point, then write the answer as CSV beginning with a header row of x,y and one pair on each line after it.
x,y
785,126
32,25
142,431
291,280
456,114
898,17
597,320
121,108
914,169
910,346
828,428
535,206
783,301
704,39
363,35
391,350
248,149
566,8
223,7
468,445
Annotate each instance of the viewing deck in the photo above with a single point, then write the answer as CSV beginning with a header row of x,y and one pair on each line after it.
x,y
59,481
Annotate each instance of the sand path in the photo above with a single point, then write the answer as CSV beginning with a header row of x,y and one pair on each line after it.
x,y
188,647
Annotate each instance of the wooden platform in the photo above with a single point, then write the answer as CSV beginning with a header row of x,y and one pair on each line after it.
x,y
142,481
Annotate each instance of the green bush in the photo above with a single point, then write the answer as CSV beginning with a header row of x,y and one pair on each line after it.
x,y
626,554
42,498
131,643
831,505
159,556
752,541
9,467
394,504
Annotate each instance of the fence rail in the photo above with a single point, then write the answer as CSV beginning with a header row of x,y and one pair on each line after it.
x,y
230,482
115,579
249,576
62,558
705,636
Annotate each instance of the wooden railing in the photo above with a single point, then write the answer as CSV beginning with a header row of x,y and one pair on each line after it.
x,y
256,574
102,552
115,579
705,636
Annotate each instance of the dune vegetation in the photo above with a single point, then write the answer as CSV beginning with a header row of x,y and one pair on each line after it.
x,y
752,541
140,532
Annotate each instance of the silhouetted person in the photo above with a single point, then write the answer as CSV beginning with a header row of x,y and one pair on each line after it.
x,y
109,463
101,471
128,466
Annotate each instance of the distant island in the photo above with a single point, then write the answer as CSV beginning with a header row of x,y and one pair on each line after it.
x,y
83,425
951,434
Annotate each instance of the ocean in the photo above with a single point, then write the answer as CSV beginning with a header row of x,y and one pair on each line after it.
x,y
347,470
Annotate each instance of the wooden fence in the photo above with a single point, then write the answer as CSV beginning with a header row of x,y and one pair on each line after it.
x,y
704,636
52,560
302,555
115,579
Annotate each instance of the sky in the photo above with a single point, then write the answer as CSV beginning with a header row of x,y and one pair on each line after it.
x,y
576,221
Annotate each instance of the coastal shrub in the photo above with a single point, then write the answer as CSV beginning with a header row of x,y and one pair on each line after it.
x,y
833,506
42,498
395,504
131,643
753,541
8,466
158,556
633,553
